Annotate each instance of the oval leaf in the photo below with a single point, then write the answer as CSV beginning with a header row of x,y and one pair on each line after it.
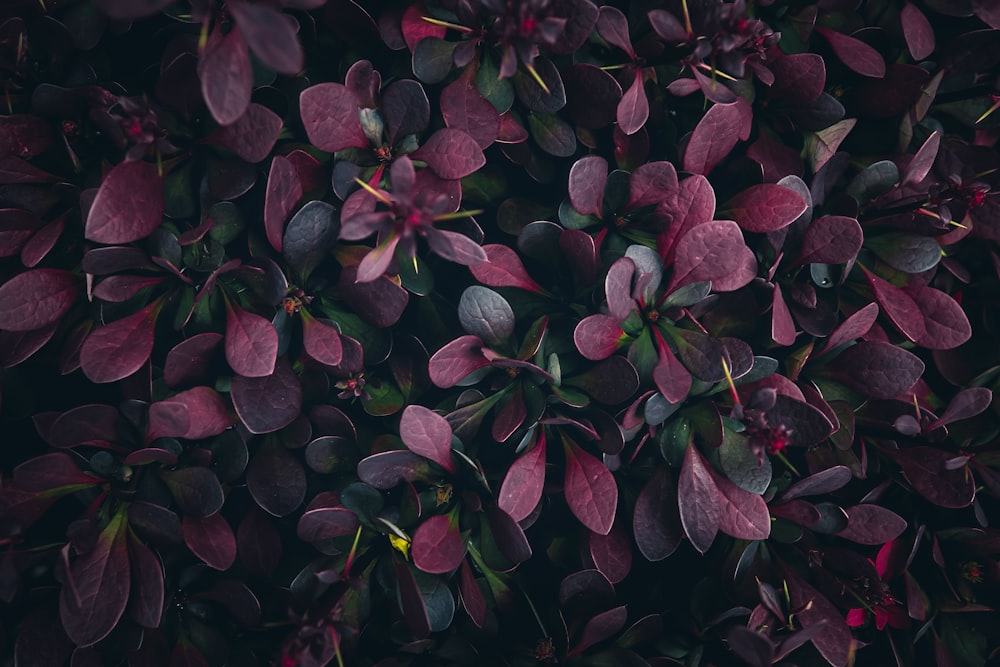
x,y
128,205
211,539
590,488
698,500
37,298
119,349
251,342
437,545
522,486
428,434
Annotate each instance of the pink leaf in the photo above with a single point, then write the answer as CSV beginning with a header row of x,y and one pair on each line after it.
x,y
472,598
612,26
270,34
693,206
670,376
872,525
899,307
742,514
618,288
782,325
211,539
37,298
330,116
652,183
325,523
437,545
832,239
464,108
698,500
945,323
128,205
716,134
612,553
117,350
453,362
451,154
855,326
917,31
765,208
590,489
587,178
284,190
656,522
428,434
707,252
854,53
633,108
598,337
251,342
522,486
193,414
252,135
321,341
923,159
503,268
226,76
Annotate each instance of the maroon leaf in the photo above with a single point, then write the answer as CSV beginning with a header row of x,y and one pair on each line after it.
x,y
472,597
128,205
52,472
587,178
271,35
464,108
698,500
879,370
656,522
742,514
87,423
387,469
97,587
37,298
253,134
633,108
251,342
923,159
963,405
321,341
872,525
226,76
695,205
428,434
190,360
284,189
765,208
211,539
671,377
330,116
522,485
917,31
782,325
437,545
193,414
835,641
453,362
599,628
926,468
415,28
716,135
598,337
16,227
326,523
195,489
854,53
412,602
707,252
612,553
266,404
276,480
612,26
820,483
451,154
799,78
258,543
899,307
503,268
117,350
146,601
652,183
855,326
832,239
590,488
121,288
945,323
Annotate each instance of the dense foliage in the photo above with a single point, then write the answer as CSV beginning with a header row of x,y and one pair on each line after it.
x,y
472,332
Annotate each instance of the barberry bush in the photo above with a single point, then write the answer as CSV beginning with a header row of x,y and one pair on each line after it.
x,y
499,332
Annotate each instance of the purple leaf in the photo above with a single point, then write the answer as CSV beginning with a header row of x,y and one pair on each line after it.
x,y
252,135
128,205
899,307
37,298
195,489
266,404
670,376
590,489
698,500
121,288
414,610
832,239
872,525
211,539
326,523
854,53
963,405
923,159
765,208
597,629
455,247
782,325
428,434
926,468
330,116
406,109
472,598
716,135
453,362
276,479
612,553
633,108
97,588
270,34
51,472
451,154
284,190
612,26
799,79
878,370
503,268
742,514
146,600
707,252
464,108
652,183
598,337
321,341
194,414
592,96
226,76
437,545
117,350
190,361
945,323
386,469
251,342
820,483
16,227
587,178
835,642
581,251
917,31
618,288
86,423
695,205
522,485
855,326
656,522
